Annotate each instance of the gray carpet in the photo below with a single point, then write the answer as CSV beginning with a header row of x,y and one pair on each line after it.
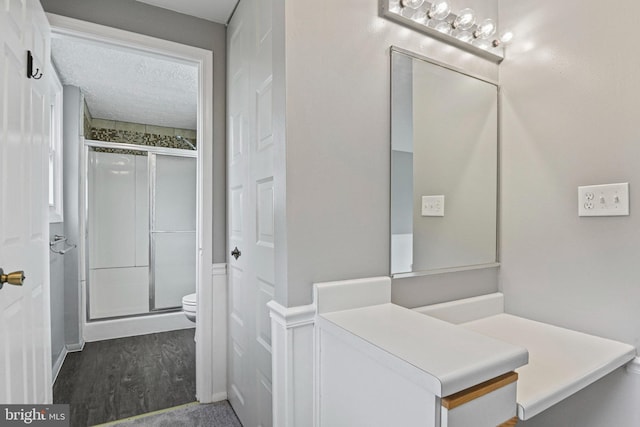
x,y
218,414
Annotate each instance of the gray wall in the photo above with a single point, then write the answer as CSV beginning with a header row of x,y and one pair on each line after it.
x,y
570,117
73,107
141,18
56,274
570,107
337,146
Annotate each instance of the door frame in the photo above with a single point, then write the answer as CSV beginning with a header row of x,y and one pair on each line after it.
x,y
203,60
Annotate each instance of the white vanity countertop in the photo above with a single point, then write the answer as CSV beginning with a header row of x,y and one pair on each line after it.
x,y
453,358
561,361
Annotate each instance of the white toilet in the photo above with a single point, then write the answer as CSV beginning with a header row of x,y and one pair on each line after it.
x,y
189,306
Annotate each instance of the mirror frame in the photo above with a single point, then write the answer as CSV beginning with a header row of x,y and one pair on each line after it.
x,y
496,263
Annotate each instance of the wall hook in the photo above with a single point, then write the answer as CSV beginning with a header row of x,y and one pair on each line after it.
x,y
37,75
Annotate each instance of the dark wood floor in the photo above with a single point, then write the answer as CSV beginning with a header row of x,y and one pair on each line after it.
x,y
115,379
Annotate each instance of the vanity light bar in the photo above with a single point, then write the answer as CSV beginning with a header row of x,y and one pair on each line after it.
x,y
462,29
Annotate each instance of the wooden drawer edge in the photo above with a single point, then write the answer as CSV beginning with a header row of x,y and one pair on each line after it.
x,y
478,390
510,423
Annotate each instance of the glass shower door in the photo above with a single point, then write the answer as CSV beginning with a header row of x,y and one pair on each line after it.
x,y
118,233
173,230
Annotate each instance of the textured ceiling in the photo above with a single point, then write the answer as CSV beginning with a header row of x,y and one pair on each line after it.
x,y
216,10
128,85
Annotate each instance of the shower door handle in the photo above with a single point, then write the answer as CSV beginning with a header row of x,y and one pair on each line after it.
x,y
16,278
236,253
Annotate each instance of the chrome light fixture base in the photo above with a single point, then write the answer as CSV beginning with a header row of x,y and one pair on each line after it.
x,y
396,10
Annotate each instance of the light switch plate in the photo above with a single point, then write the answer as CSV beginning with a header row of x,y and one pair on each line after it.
x,y
604,200
432,205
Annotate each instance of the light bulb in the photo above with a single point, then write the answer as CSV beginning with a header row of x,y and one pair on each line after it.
x,y
439,10
485,29
413,4
465,20
505,38
464,36
420,16
443,27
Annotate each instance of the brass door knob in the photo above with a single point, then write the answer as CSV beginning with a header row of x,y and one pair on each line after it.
x,y
16,278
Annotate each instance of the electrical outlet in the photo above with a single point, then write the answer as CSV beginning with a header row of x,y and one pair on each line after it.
x,y
604,200
432,205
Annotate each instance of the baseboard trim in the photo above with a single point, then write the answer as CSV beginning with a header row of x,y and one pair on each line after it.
x,y
58,365
219,397
72,348
120,328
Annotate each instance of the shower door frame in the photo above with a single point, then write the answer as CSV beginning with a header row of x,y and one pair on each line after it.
x,y
210,364
152,152
153,169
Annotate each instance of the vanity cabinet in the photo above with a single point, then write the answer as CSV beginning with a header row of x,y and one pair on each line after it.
x,y
492,403
385,365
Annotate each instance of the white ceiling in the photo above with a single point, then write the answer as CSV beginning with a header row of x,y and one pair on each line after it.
x,y
128,85
216,10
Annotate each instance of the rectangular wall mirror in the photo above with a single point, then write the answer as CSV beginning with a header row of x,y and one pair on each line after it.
x,y
444,167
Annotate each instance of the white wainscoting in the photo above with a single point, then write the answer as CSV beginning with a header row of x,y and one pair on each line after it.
x,y
292,340
218,334
293,343
211,337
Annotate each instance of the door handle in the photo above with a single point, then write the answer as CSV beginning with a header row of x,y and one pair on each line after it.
x,y
236,253
16,278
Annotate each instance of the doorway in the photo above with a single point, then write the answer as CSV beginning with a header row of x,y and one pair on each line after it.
x,y
201,60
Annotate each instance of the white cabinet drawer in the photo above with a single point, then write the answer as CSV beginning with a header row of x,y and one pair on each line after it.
x,y
490,404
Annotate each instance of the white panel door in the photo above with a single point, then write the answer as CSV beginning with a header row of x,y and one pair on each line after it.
x,y
241,318
261,154
251,212
25,343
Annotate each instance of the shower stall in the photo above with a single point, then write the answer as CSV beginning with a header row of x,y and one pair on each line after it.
x,y
141,244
